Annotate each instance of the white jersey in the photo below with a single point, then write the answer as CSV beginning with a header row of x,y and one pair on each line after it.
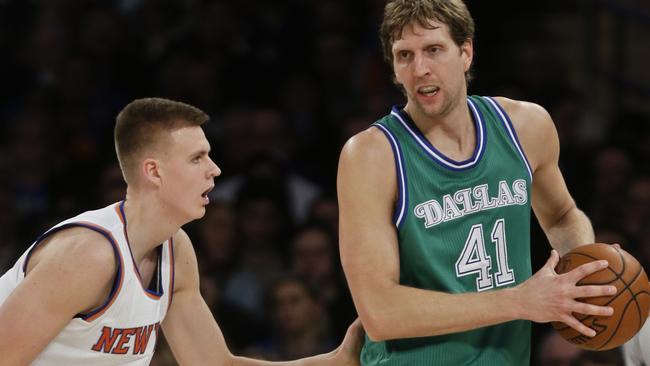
x,y
124,330
637,349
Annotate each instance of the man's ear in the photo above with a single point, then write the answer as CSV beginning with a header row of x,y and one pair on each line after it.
x,y
151,171
467,51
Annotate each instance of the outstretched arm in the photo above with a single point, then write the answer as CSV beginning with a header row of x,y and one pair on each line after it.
x,y
370,257
195,337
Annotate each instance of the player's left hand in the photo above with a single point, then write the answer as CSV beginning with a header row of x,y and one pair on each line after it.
x,y
348,352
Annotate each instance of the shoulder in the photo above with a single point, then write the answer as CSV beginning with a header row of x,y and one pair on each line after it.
x,y
79,248
535,129
368,146
367,158
186,266
182,242
526,117
80,263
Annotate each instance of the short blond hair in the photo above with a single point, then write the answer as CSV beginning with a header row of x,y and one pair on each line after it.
x,y
140,123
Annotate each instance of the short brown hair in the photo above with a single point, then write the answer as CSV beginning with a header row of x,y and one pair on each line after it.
x,y
400,13
139,123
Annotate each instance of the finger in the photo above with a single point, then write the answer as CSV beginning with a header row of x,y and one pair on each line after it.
x,y
354,337
593,291
617,245
357,328
585,270
553,260
589,309
578,326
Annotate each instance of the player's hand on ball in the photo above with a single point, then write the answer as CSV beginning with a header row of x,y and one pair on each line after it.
x,y
548,296
631,302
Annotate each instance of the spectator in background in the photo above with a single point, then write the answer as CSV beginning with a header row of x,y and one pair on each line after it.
x,y
635,213
259,146
612,357
325,210
217,241
314,259
262,226
300,324
553,350
610,177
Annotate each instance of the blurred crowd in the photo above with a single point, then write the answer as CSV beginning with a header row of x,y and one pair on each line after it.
x,y
285,83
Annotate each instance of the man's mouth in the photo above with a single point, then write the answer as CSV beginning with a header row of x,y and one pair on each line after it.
x,y
206,192
428,91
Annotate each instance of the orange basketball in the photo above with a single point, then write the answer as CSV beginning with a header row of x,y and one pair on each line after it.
x,y
631,302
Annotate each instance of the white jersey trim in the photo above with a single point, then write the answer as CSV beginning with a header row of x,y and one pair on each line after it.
x,y
401,176
511,131
438,156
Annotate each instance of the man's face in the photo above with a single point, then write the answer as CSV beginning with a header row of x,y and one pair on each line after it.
x,y
294,309
431,69
186,172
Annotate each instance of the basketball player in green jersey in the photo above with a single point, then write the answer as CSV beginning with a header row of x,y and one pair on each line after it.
x,y
435,205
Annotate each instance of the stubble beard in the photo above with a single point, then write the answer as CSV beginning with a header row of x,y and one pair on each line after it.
x,y
435,112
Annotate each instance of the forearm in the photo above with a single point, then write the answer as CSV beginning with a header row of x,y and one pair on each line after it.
x,y
406,312
571,230
320,360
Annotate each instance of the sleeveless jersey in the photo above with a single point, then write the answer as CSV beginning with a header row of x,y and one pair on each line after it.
x,y
124,330
463,226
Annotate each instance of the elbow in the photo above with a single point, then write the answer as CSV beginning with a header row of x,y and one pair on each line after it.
x,y
377,336
379,314
376,325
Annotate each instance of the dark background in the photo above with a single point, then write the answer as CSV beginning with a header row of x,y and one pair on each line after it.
x,y
286,83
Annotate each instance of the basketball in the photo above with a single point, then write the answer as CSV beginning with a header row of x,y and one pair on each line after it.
x,y
631,302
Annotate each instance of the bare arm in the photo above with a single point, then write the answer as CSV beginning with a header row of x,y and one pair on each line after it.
x,y
370,257
565,225
195,337
69,273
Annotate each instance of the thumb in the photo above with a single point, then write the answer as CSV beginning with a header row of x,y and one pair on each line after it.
x,y
354,337
553,260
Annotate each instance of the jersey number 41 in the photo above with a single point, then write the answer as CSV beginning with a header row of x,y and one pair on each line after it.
x,y
474,258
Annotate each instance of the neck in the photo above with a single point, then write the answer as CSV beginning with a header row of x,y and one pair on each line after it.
x,y
454,118
452,132
149,223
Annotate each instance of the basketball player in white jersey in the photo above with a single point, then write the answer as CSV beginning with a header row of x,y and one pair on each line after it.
x,y
97,289
636,351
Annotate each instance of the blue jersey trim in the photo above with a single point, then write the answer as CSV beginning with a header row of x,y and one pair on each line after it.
x,y
156,294
437,156
103,232
402,192
507,123
172,269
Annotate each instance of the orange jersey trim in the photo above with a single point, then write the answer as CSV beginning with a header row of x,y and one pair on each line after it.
x,y
96,313
170,292
120,212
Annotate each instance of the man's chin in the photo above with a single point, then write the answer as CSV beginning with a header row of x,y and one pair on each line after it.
x,y
196,215
201,213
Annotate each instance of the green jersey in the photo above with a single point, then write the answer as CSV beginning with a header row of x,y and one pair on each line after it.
x,y
463,226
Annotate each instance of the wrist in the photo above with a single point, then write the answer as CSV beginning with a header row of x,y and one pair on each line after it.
x,y
515,308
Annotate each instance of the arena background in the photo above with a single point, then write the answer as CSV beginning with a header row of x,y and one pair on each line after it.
x,y
286,83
